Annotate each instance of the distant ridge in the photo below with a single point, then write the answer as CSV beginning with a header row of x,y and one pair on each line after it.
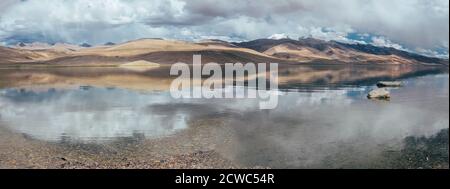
x,y
85,45
285,50
109,44
333,50
392,51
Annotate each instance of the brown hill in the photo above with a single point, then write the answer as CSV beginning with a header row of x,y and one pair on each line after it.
x,y
309,49
160,51
10,55
171,51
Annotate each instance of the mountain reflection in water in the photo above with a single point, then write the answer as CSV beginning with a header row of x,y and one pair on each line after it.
x,y
312,126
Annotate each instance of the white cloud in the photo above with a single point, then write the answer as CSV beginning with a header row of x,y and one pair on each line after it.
x,y
383,42
432,53
411,23
278,36
85,21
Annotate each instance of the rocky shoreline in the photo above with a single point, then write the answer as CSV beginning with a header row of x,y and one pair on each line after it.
x,y
21,151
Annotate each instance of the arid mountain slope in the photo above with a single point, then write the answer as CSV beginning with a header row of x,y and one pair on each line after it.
x,y
172,51
308,49
11,55
153,50
144,46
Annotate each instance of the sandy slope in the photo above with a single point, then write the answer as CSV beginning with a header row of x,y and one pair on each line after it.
x,y
10,55
152,50
171,51
304,54
143,46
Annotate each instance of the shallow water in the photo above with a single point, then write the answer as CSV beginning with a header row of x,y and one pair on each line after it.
x,y
315,125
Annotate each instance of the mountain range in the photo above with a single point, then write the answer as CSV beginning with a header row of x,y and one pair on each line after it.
x,y
301,51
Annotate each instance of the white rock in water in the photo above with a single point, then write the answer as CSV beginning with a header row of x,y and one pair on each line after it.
x,y
389,84
379,93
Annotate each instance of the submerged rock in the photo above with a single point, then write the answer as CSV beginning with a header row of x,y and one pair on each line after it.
x,y
389,84
380,93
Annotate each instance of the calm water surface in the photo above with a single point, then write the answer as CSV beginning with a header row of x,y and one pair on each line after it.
x,y
314,125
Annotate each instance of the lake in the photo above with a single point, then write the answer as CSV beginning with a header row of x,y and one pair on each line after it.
x,y
121,118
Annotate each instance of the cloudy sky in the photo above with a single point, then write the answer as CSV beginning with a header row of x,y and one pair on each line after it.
x,y
414,25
